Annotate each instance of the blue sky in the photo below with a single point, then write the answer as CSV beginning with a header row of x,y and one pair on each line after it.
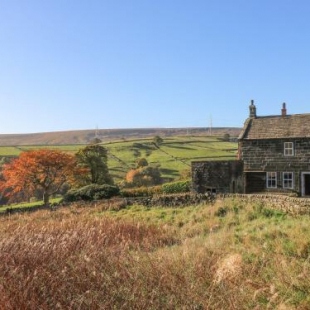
x,y
72,64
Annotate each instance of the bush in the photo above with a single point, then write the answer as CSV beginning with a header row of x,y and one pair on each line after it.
x,y
143,176
141,191
92,192
176,187
221,212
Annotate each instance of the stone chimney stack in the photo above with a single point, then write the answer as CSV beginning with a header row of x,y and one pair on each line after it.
x,y
252,108
283,111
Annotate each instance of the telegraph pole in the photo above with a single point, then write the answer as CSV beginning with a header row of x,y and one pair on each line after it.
x,y
210,126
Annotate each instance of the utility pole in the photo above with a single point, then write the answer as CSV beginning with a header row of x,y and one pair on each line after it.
x,y
210,126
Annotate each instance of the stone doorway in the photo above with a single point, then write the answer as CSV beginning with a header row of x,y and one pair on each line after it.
x,y
305,184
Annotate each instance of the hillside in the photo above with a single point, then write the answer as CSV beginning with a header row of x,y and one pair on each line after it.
x,y
85,136
174,155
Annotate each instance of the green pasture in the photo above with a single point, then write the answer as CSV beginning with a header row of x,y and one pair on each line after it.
x,y
27,205
9,151
173,156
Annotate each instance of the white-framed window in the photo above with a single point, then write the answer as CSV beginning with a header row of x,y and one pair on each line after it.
x,y
271,180
288,179
288,149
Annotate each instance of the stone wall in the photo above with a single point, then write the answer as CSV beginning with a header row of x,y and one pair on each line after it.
x,y
268,155
217,176
287,204
291,205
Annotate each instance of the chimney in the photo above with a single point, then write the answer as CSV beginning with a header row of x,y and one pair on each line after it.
x,y
252,108
283,111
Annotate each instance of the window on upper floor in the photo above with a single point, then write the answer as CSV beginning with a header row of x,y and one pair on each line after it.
x,y
288,149
288,179
271,180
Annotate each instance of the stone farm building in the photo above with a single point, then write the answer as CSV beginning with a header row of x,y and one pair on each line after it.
x,y
273,156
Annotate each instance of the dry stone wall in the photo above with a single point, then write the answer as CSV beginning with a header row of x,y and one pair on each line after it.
x,y
287,204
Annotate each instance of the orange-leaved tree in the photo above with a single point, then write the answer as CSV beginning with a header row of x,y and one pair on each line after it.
x,y
143,176
44,169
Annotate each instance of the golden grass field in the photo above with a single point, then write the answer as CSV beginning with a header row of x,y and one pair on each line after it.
x,y
225,255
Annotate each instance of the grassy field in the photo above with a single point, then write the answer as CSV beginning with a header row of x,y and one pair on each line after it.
x,y
27,205
228,255
173,156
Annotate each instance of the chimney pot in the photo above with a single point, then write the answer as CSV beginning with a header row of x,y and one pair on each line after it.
x,y
283,111
252,108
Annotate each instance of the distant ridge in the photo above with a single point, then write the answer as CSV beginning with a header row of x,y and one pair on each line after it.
x,y
86,136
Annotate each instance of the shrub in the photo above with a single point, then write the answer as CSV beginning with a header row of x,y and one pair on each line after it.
x,y
92,192
143,176
141,191
260,210
157,140
176,187
221,212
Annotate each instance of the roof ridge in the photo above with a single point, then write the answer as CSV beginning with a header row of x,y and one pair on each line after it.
x,y
276,127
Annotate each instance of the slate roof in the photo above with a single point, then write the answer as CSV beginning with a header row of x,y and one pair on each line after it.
x,y
276,127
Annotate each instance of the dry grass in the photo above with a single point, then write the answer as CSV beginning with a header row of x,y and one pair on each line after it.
x,y
137,258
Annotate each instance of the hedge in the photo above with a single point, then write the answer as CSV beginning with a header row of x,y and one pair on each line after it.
x,y
176,187
91,192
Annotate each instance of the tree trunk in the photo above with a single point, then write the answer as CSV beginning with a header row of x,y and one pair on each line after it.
x,y
46,199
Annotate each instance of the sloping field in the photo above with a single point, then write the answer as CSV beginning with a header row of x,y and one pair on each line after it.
x,y
173,156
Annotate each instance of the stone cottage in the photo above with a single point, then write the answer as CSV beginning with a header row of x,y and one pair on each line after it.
x,y
273,156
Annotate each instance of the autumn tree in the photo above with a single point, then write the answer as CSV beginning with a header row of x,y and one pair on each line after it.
x,y
132,175
94,158
143,176
42,169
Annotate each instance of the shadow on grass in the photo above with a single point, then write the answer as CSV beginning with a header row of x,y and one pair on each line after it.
x,y
171,172
179,147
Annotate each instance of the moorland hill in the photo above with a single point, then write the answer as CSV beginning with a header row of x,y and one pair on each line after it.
x,y
86,136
